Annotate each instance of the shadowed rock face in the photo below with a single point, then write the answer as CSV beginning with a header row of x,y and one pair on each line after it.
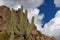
x,y
18,27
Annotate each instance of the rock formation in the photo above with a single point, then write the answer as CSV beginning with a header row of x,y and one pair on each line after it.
x,y
14,25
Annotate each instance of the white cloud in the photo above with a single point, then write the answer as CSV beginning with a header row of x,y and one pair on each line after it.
x,y
38,22
57,3
52,28
32,12
26,3
38,18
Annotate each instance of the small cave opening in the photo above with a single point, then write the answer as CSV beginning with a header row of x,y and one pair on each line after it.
x,y
1,18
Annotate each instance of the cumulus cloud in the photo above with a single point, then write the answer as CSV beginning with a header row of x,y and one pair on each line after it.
x,y
26,3
52,28
32,12
38,22
57,3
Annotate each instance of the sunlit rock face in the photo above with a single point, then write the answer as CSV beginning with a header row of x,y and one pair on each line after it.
x,y
4,16
39,36
23,30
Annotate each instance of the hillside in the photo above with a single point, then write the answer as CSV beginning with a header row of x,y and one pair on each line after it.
x,y
14,25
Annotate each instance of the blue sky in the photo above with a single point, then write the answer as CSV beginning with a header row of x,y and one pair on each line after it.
x,y
49,10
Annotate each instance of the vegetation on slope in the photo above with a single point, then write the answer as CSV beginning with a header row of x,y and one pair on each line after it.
x,y
18,27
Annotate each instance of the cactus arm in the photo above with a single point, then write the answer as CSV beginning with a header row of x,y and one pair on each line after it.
x,y
30,27
14,22
10,26
21,24
21,14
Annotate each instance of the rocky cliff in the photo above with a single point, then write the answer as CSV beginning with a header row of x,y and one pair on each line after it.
x,y
14,25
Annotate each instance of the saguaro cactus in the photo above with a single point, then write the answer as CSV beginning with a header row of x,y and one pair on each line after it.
x,y
24,26
27,27
11,26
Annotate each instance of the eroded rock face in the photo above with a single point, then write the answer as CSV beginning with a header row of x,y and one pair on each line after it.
x,y
33,34
4,16
37,35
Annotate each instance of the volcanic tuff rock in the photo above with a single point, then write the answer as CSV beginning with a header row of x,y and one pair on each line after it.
x,y
14,25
